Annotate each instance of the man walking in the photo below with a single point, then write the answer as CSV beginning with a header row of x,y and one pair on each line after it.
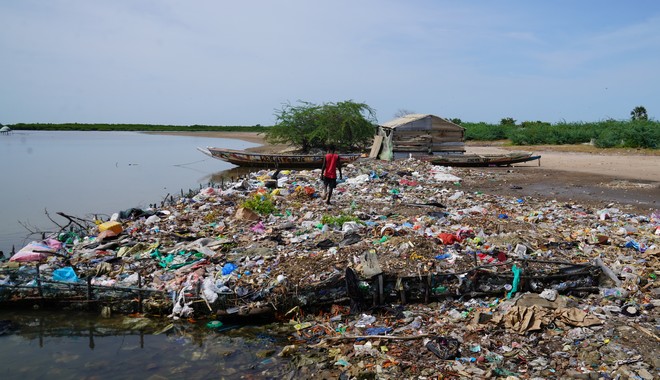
x,y
331,163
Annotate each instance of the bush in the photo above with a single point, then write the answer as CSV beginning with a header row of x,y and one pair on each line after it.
x,y
339,220
347,125
637,134
605,134
262,204
486,132
508,121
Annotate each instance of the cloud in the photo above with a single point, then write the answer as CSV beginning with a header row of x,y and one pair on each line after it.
x,y
209,62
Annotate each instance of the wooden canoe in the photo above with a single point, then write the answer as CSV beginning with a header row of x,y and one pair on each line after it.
x,y
482,160
283,161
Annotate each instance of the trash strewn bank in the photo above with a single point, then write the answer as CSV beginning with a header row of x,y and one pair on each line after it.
x,y
406,274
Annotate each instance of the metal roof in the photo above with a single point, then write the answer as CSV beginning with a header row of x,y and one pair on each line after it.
x,y
403,120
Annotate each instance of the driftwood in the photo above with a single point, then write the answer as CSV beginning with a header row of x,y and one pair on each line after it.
x,y
74,220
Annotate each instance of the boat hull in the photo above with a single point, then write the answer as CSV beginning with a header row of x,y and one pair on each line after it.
x,y
482,160
264,160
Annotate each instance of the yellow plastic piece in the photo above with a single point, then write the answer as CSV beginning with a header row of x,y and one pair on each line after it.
x,y
112,226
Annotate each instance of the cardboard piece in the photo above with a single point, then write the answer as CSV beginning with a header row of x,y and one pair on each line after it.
x,y
246,214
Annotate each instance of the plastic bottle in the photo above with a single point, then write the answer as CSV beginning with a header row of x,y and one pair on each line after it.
x,y
613,292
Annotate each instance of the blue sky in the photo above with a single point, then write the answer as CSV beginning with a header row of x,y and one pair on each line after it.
x,y
237,62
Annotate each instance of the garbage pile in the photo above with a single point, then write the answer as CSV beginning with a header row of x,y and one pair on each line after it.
x,y
408,273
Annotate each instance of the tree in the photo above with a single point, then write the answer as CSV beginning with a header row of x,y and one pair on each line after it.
x,y
456,121
508,121
348,125
639,113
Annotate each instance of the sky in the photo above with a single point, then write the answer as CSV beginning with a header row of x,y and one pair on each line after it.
x,y
216,62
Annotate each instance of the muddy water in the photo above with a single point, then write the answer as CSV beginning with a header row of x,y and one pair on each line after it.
x,y
74,345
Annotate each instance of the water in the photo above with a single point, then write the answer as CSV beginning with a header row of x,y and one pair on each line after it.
x,y
68,345
88,173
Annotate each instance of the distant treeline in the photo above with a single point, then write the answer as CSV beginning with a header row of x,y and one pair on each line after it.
x,y
136,127
603,134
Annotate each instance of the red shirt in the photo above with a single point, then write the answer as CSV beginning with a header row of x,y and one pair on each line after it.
x,y
331,160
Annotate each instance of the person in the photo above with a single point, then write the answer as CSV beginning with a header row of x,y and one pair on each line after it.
x,y
331,164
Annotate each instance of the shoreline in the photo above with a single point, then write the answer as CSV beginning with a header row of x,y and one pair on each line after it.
x,y
623,164
576,173
253,137
233,264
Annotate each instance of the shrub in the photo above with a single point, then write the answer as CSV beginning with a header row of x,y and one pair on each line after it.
x,y
486,132
508,121
262,204
339,220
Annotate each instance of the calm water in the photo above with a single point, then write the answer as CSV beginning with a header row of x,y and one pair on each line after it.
x,y
42,345
87,173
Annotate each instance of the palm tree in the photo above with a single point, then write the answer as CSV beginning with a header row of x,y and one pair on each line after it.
x,y
639,113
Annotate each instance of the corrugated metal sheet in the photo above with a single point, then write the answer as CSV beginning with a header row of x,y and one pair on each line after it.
x,y
413,122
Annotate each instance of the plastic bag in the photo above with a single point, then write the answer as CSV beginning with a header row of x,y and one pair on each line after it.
x,y
32,252
66,274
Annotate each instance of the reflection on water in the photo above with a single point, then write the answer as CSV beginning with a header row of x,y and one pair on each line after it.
x,y
232,174
94,173
67,345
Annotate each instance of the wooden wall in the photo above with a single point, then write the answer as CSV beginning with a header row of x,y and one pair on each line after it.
x,y
426,135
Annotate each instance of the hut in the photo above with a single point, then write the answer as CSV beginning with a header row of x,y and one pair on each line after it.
x,y
5,130
417,134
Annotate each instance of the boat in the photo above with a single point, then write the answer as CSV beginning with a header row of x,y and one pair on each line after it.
x,y
277,160
482,160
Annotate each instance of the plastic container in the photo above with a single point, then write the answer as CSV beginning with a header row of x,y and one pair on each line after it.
x,y
112,226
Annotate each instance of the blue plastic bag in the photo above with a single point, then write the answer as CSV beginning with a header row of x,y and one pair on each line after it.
x,y
228,268
65,274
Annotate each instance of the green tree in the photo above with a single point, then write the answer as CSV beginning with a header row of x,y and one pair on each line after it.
x,y
348,125
456,121
508,121
639,113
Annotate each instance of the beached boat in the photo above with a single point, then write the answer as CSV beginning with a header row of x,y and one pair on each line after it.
x,y
282,160
476,160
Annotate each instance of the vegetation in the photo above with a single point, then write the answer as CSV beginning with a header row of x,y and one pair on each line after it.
x,y
347,125
339,220
603,134
639,113
260,203
136,127
508,121
351,126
